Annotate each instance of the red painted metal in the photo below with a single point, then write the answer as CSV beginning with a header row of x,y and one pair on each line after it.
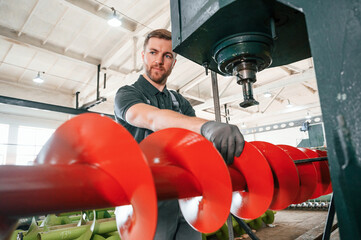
x,y
323,174
173,182
94,141
56,188
252,200
174,148
306,172
284,172
7,226
92,162
238,180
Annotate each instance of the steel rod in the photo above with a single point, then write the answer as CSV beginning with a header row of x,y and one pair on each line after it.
x,y
217,107
307,160
98,76
329,221
217,112
77,100
246,228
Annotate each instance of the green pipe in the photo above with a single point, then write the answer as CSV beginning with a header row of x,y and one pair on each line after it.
x,y
80,212
75,218
71,233
97,237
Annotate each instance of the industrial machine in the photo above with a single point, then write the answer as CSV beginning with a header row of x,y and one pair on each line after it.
x,y
92,162
239,38
242,37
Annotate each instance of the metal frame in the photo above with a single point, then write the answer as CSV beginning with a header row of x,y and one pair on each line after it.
x,y
45,106
288,124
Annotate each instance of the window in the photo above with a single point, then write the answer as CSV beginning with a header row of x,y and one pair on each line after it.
x,y
4,134
30,141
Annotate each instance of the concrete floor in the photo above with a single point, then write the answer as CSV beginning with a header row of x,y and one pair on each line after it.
x,y
295,224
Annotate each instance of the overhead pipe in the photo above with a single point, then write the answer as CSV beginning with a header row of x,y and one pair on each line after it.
x,y
46,106
98,99
98,76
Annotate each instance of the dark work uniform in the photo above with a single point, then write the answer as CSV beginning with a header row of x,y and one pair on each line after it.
x,y
171,223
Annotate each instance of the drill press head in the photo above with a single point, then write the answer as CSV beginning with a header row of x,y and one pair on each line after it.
x,y
237,37
243,56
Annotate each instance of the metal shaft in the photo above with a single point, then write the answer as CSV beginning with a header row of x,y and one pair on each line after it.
x,y
217,106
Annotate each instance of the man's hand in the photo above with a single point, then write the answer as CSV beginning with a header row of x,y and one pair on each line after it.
x,y
226,138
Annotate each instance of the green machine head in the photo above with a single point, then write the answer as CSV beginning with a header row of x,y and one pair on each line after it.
x,y
239,37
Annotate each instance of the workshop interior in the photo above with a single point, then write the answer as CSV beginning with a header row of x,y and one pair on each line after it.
x,y
285,72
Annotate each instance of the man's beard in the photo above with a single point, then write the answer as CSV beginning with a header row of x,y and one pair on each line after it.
x,y
159,78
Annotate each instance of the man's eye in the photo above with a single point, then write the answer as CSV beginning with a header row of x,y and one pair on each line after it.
x,y
169,56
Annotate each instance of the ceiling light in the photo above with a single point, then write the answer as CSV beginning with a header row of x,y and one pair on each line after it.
x,y
267,94
114,20
38,79
243,125
289,105
308,116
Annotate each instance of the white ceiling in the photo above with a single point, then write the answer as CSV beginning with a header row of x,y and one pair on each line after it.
x,y
67,39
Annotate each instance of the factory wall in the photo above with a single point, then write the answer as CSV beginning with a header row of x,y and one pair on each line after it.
x,y
314,137
23,131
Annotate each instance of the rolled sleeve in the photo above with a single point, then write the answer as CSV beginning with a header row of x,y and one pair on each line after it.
x,y
126,97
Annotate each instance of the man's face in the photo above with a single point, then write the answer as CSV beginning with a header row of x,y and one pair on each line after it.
x,y
158,59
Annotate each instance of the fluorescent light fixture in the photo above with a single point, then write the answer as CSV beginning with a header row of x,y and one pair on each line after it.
x,y
243,125
267,95
38,79
308,116
114,21
289,105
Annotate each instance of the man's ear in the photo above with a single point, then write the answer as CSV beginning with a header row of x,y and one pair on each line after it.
x,y
143,56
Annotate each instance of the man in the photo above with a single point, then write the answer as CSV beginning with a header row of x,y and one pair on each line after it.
x,y
148,106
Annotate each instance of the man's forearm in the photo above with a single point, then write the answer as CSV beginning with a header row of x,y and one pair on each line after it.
x,y
226,137
145,116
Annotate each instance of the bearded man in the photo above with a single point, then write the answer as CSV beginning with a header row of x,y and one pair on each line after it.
x,y
148,106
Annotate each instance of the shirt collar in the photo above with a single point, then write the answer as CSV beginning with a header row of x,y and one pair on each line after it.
x,y
148,87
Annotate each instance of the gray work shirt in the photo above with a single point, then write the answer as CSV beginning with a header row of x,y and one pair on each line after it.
x,y
143,91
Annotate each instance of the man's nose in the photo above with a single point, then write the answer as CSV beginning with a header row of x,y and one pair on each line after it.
x,y
159,59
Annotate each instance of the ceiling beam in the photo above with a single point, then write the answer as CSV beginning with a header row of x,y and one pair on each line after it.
x,y
100,6
90,9
34,43
286,81
78,33
291,68
6,54
309,88
226,87
27,66
187,95
28,18
26,88
55,25
271,101
101,36
200,78
134,53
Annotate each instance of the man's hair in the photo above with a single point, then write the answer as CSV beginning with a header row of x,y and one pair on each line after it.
x,y
158,33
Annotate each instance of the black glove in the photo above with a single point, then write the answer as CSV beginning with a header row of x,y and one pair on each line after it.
x,y
226,138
